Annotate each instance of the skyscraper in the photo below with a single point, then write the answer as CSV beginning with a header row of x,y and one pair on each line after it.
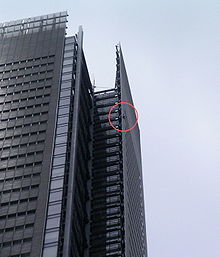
x,y
70,180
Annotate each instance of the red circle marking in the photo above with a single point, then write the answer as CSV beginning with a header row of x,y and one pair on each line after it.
x,y
123,130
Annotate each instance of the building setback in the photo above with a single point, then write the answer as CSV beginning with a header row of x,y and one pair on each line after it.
x,y
71,185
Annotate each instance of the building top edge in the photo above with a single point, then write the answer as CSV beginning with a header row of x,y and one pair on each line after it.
x,y
33,19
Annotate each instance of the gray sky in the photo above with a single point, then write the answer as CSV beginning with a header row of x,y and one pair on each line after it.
x,y
170,50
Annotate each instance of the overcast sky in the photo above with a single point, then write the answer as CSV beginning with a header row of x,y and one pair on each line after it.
x,y
170,50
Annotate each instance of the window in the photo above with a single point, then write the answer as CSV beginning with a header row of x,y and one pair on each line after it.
x,y
64,110
55,196
53,222
112,158
112,199
55,184
68,61
60,150
68,54
112,247
112,188
113,168
68,68
112,210
65,93
112,222
63,120
70,40
112,234
54,209
62,129
58,172
51,237
112,178
112,140
69,47
112,149
58,160
67,76
64,101
61,139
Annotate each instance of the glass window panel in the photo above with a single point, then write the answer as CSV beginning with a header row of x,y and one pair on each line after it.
x,y
69,47
112,210
112,222
66,90
50,251
53,222
51,237
58,172
67,84
58,160
57,26
56,196
112,158
112,246
37,24
60,150
63,19
65,93
112,234
68,68
63,13
67,76
54,209
68,61
64,110
113,178
61,139
63,120
62,129
112,168
64,101
112,199
68,54
55,184
70,40
112,188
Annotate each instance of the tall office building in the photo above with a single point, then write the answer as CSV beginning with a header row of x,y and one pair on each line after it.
x,y
70,182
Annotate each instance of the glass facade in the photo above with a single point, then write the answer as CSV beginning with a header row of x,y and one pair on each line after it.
x,y
33,25
70,184
59,167
107,212
30,64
